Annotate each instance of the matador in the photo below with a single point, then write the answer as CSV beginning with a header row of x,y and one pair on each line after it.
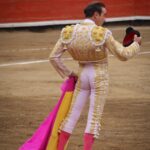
x,y
88,43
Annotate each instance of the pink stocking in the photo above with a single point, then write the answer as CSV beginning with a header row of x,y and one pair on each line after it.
x,y
88,141
63,138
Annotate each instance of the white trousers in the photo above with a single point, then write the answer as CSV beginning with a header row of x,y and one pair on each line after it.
x,y
92,85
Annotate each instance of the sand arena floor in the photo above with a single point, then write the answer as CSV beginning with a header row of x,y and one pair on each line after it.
x,y
29,91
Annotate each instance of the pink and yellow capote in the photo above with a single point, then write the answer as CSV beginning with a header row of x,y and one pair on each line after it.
x,y
46,136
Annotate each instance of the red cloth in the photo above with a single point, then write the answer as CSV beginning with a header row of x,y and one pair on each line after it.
x,y
129,37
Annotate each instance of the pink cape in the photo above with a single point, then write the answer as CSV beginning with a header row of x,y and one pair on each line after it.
x,y
39,139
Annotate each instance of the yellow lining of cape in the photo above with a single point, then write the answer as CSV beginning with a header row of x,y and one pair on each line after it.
x,y
62,112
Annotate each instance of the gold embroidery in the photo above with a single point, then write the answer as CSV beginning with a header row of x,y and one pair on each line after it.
x,y
98,49
98,34
65,47
67,34
101,84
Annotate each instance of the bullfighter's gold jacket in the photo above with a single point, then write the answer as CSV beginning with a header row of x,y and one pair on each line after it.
x,y
87,42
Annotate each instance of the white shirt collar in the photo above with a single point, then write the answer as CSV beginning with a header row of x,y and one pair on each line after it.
x,y
88,21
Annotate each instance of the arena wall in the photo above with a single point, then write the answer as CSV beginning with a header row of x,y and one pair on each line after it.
x,y
47,12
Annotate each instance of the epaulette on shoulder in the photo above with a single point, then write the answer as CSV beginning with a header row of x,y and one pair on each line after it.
x,y
99,35
67,33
